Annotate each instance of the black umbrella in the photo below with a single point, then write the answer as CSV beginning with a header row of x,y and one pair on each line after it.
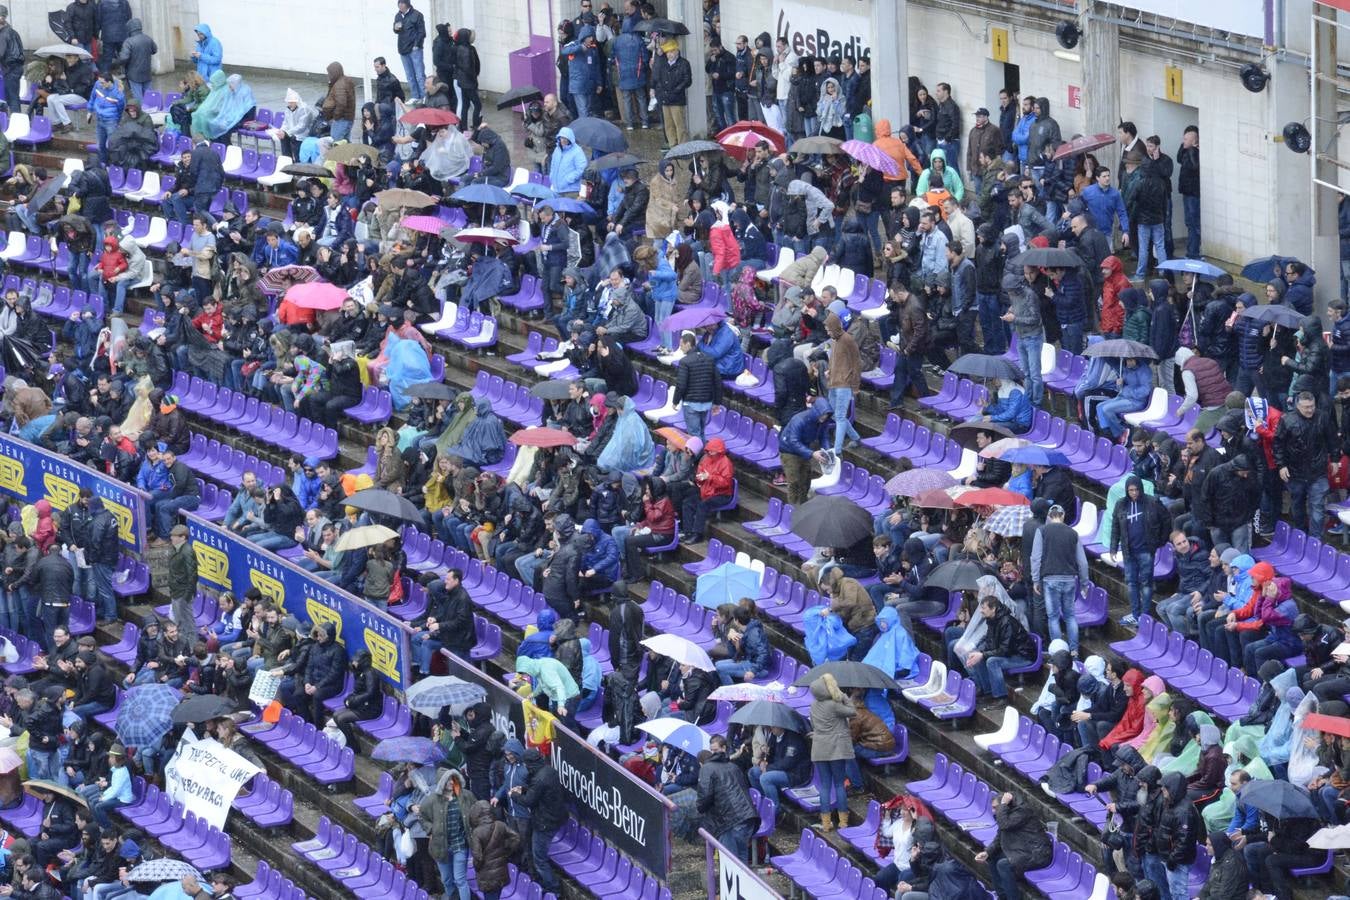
x,y
1278,799
964,434
851,674
662,26
983,365
956,575
553,389
1121,349
201,708
618,160
517,96
307,170
692,148
431,390
599,135
770,714
832,521
1049,257
1275,314
45,193
60,25
384,503
812,145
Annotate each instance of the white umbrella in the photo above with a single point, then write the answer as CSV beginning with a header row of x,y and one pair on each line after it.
x,y
678,733
364,536
681,650
63,50
1328,838
746,692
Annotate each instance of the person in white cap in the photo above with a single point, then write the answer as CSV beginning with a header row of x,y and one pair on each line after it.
x,y
296,124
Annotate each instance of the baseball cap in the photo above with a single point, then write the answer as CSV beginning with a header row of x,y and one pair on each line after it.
x,y
982,112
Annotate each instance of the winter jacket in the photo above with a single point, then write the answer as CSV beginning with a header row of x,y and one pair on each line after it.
x,y
411,28
1021,837
724,794
1156,522
209,53
1227,500
724,347
1112,311
544,797
326,668
585,68
714,473
1300,293
805,430
1228,875
339,104
697,378
467,64
630,58
1306,445
1179,827
567,164
137,52
493,845
671,81
1013,411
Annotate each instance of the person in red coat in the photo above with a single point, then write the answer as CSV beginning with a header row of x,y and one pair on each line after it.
x,y
716,479
1114,281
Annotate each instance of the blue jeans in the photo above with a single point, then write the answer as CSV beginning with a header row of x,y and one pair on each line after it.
x,y
455,870
1179,881
340,129
583,102
1005,878
831,776
1061,593
1109,413
104,128
85,710
724,108
44,765
1308,504
695,417
415,70
179,207
811,125
992,328
425,647
769,783
988,673
953,151
528,564
840,400
540,839
1071,338
730,670
1149,234
104,599
78,271
1029,355
270,540
737,839
1138,580
138,89
1190,208
166,512
119,294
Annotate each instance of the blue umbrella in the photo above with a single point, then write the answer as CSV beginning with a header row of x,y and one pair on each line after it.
x,y
727,583
1036,456
147,714
1263,269
533,191
1275,314
431,695
484,193
1193,266
572,205
677,733
420,750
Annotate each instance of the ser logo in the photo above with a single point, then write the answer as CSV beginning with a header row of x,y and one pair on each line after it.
x,y
269,587
212,565
11,477
123,516
322,615
61,493
383,655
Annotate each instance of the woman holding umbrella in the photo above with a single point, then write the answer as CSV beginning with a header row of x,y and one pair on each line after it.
x,y
831,747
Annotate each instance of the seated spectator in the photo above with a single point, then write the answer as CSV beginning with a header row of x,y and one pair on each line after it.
x,y
1011,410
786,764
750,649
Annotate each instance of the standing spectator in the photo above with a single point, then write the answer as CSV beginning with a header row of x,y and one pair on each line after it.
x,y
831,747
1025,318
411,28
1229,498
1188,185
1148,207
844,379
724,799
1305,442
82,22
113,18
543,796
136,59
671,78
339,104
585,70
631,66
947,125
11,59
720,67
1106,206
387,87
1177,834
698,386
1059,571
106,105
493,845
1140,525
797,447
182,581
1044,131
984,138
208,53
1020,846
467,68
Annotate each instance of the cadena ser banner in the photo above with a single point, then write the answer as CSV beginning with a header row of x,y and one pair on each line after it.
x,y
29,473
227,562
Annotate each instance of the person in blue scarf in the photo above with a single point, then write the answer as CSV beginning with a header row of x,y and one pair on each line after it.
x,y
892,652
630,447
484,441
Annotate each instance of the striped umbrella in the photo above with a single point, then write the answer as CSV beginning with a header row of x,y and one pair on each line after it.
x,y
1007,521
277,280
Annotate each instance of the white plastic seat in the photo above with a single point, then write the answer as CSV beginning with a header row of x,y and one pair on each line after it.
x,y
669,409
785,257
278,177
1101,887
829,478
15,245
1086,526
742,559
824,275
844,282
72,165
149,188
1049,358
18,127
486,336
969,459
1157,406
1006,732
159,231
937,680
234,159
518,177
556,366
448,313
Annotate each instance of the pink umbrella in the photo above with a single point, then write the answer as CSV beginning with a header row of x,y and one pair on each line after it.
x,y
425,224
485,236
319,295
871,156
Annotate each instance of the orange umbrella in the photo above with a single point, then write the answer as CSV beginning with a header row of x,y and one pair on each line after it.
x,y
674,435
992,497
543,437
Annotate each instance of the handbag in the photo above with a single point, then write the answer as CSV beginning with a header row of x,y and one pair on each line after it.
x,y
397,593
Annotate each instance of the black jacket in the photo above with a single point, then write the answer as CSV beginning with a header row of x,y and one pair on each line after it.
x,y
1179,826
82,20
53,578
456,632
1305,446
1227,500
1228,876
413,33
1005,637
466,60
1157,523
724,795
697,380
789,753
366,698
326,667
543,795
671,81
632,211
1057,487
496,157
96,686
1021,837
561,587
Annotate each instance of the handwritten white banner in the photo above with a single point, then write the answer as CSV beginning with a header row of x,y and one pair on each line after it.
x,y
205,776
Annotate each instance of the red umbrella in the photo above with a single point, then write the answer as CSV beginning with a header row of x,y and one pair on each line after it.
x,y
317,295
1330,724
543,437
425,224
942,498
424,116
1084,143
739,138
992,497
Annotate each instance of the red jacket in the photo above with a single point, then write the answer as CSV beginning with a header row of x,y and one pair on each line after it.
x,y
1266,433
717,466
659,516
210,325
1113,312
726,252
112,262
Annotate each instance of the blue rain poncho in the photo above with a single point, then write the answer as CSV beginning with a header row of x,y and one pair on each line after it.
x,y
484,441
630,448
408,365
